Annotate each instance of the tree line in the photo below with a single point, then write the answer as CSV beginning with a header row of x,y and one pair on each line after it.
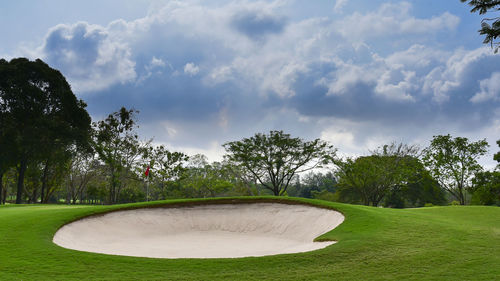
x,y
52,152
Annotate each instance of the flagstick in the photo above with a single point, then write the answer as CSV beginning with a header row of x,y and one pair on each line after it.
x,y
147,188
147,184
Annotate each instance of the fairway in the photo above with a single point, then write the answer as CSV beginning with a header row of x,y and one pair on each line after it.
x,y
436,243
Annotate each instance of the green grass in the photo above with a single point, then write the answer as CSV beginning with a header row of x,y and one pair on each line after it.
x,y
436,243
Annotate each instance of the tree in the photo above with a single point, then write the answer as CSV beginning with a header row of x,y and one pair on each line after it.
x,y
486,188
203,179
419,190
486,185
274,159
165,166
369,179
312,184
453,163
118,147
490,27
244,181
83,167
360,180
7,160
39,113
496,157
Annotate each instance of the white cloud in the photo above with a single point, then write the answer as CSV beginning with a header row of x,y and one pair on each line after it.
x,y
191,69
490,89
348,76
392,19
418,56
444,79
339,5
156,62
88,57
338,137
214,151
397,84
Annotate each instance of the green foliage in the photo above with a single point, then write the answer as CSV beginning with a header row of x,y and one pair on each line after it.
x,y
165,167
490,27
118,147
486,188
312,184
369,179
202,179
39,114
132,194
455,203
496,157
324,195
422,188
453,163
274,159
428,205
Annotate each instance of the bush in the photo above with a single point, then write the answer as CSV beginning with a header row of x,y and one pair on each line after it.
x,y
455,203
429,205
324,195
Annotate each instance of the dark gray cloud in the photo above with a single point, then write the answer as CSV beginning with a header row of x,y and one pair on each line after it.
x,y
80,44
257,24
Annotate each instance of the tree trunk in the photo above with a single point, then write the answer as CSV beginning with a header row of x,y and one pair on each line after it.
x,y
69,193
44,181
276,191
462,198
34,194
112,188
20,181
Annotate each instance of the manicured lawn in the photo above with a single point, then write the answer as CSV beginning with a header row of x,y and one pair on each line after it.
x,y
437,243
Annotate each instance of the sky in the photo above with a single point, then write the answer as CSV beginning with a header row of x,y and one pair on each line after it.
x,y
359,74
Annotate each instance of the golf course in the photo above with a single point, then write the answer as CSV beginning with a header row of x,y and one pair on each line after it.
x,y
431,243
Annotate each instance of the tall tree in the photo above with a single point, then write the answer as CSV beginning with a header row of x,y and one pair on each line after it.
x,y
275,158
118,146
40,111
453,163
490,27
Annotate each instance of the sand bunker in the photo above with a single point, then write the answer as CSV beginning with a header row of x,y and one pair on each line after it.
x,y
208,231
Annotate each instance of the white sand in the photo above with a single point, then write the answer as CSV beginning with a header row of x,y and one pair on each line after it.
x,y
209,231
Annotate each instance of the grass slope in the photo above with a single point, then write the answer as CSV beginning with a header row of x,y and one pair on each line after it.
x,y
437,243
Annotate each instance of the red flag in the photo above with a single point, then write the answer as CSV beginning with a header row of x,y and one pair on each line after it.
x,y
147,171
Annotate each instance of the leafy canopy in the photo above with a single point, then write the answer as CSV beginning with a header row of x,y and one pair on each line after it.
x,y
453,163
275,158
40,116
368,179
490,27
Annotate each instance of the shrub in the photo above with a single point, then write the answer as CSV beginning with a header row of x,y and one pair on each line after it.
x,y
429,205
455,203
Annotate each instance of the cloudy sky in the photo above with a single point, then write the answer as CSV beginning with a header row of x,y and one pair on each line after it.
x,y
357,73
